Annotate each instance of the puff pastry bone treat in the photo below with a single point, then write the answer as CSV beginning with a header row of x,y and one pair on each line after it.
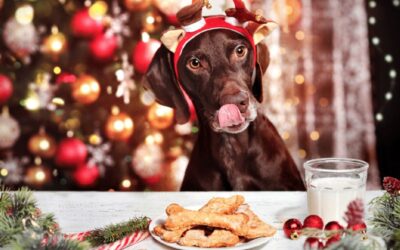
x,y
218,238
221,222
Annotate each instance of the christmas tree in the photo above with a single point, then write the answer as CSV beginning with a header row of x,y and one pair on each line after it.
x,y
74,112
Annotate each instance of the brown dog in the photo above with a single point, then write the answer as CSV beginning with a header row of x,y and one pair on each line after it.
x,y
216,71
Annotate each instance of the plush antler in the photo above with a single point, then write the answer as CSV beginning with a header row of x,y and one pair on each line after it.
x,y
192,13
243,15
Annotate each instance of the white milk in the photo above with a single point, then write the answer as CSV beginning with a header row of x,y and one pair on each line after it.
x,y
329,197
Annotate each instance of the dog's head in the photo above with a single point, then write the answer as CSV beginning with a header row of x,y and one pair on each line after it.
x,y
219,72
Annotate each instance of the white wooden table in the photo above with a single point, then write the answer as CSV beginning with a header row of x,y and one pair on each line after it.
x,y
83,211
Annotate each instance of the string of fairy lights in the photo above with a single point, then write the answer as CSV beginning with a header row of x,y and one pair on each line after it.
x,y
387,57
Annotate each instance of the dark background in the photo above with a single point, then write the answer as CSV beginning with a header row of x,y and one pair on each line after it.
x,y
388,130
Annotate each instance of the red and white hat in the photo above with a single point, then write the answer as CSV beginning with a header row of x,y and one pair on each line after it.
x,y
240,20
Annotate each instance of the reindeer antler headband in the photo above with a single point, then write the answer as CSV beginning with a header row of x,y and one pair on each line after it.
x,y
240,20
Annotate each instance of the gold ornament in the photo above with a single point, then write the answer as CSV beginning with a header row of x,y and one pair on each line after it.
x,y
86,89
119,126
42,144
37,175
55,44
152,21
160,117
136,5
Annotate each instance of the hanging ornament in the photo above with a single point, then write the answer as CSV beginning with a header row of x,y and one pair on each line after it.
x,y
184,129
136,5
170,7
86,26
152,21
55,44
103,47
125,78
147,162
71,152
65,77
160,117
40,93
143,53
117,22
19,33
292,228
37,175
178,169
100,156
9,129
119,126
42,144
85,175
86,89
11,170
6,88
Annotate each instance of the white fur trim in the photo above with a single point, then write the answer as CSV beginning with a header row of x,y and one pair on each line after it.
x,y
232,20
195,26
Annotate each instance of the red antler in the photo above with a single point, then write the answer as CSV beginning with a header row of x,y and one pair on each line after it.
x,y
243,15
239,4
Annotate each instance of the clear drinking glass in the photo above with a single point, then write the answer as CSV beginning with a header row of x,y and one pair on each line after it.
x,y
332,183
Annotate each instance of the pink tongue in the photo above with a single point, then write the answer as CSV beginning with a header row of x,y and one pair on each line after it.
x,y
229,115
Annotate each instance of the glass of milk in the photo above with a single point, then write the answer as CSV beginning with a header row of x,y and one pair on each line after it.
x,y
332,183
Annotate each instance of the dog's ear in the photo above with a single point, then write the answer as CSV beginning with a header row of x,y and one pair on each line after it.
x,y
260,31
261,67
171,39
160,78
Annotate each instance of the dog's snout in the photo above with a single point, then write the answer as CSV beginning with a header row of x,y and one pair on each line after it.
x,y
239,98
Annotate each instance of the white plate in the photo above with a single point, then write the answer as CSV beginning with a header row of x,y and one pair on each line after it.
x,y
241,246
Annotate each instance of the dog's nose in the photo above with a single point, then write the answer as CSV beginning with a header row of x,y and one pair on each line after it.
x,y
240,99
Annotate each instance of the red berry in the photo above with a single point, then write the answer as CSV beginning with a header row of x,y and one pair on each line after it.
x,y
292,228
358,227
332,240
313,243
313,221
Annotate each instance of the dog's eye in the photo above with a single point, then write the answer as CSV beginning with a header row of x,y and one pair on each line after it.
x,y
194,63
240,51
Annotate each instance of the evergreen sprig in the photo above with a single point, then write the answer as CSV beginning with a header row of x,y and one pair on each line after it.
x,y
23,226
357,242
115,232
385,215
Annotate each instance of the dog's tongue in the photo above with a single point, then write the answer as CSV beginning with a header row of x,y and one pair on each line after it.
x,y
229,115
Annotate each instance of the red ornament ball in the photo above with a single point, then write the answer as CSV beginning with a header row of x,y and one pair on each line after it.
x,y
333,225
292,228
153,179
83,25
6,88
71,152
103,47
313,221
313,243
358,227
143,53
332,240
86,175
65,77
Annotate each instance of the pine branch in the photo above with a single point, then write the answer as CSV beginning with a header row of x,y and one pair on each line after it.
x,y
386,215
357,242
116,232
33,239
